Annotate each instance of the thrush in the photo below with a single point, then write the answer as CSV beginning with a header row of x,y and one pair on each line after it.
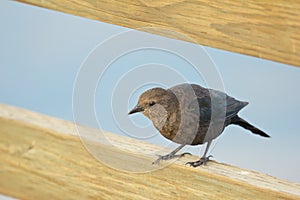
x,y
189,114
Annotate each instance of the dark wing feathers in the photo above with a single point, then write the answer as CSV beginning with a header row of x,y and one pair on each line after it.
x,y
233,106
204,95
204,98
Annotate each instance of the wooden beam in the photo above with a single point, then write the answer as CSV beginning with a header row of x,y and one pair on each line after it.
x,y
42,157
265,29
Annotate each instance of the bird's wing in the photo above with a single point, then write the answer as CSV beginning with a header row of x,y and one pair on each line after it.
x,y
233,106
208,99
222,104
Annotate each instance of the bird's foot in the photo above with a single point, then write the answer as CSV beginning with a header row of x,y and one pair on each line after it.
x,y
197,163
168,157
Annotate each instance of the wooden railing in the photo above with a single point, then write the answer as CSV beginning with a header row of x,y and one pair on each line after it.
x,y
265,29
43,157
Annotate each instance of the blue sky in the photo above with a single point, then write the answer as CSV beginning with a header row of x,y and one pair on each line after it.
x,y
43,51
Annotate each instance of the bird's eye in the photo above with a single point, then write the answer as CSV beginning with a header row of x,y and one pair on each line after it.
x,y
152,103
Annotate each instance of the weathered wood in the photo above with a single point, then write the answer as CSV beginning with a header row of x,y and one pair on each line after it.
x,y
42,157
265,29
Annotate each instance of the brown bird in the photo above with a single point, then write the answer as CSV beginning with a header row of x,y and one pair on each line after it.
x,y
189,114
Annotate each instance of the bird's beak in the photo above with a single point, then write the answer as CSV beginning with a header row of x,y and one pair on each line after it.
x,y
136,109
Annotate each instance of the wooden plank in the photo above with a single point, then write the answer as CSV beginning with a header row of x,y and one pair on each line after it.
x,y
265,29
42,157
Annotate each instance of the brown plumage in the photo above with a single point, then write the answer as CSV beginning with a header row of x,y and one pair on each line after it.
x,y
189,114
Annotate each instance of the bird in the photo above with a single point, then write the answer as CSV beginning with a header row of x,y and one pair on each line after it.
x,y
189,114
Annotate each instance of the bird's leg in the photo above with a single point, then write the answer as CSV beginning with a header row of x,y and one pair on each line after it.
x,y
203,160
171,155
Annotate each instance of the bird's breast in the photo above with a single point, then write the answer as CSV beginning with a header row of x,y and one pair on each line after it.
x,y
159,116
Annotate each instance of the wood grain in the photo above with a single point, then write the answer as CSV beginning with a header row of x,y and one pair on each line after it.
x,y
38,162
265,29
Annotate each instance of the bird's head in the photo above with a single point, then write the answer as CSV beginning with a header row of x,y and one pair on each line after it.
x,y
151,100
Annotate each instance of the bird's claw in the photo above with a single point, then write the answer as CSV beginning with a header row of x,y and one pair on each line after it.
x,y
197,163
168,157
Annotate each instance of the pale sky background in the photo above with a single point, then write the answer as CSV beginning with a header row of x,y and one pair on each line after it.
x,y
42,52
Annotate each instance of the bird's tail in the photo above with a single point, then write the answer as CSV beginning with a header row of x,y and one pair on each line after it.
x,y
241,122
